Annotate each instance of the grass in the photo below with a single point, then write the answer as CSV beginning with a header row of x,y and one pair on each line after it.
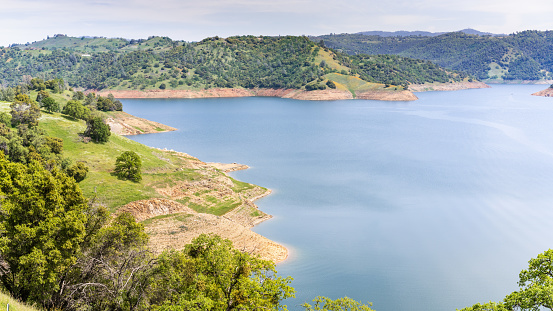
x,y
496,70
220,208
240,186
327,56
100,158
15,305
352,83
159,169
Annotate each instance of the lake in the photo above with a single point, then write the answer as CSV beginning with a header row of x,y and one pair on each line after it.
x,y
434,204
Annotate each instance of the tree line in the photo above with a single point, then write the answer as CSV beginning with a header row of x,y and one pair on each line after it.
x,y
242,61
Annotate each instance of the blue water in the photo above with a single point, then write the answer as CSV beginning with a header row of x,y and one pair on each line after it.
x,y
434,204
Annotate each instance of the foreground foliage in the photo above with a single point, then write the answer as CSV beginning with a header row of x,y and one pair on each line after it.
x,y
41,227
536,288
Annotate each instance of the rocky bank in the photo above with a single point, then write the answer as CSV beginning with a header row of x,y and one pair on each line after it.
x,y
455,86
545,93
328,94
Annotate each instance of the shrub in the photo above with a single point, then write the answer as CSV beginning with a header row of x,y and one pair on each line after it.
x,y
128,166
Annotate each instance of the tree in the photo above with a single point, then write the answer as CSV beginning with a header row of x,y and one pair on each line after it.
x,y
42,95
50,104
77,171
24,111
211,275
536,288
5,118
114,270
97,129
340,304
128,166
331,84
41,227
76,110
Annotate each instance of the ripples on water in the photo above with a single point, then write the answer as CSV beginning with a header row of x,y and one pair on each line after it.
x,y
429,205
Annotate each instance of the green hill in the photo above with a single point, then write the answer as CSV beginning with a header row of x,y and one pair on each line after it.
x,y
235,62
520,56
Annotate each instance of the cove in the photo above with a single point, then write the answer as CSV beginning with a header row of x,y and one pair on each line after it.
x,y
434,204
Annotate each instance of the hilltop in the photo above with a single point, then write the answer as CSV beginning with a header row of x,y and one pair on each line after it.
x,y
522,56
242,63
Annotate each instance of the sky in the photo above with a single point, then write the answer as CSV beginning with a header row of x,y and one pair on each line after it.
x,y
192,20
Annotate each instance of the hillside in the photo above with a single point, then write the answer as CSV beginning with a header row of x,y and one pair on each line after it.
x,y
177,188
245,62
521,56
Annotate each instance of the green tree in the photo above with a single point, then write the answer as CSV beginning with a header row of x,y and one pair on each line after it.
x,y
50,104
55,144
97,129
340,304
76,110
41,227
536,288
78,171
42,95
331,84
5,118
128,166
24,111
211,275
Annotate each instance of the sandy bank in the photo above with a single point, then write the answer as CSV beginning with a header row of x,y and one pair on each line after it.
x,y
548,92
387,95
328,94
455,86
122,123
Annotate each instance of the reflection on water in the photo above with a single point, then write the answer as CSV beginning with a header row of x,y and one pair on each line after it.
x,y
428,205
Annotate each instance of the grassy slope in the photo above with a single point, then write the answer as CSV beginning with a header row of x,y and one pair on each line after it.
x,y
160,169
15,305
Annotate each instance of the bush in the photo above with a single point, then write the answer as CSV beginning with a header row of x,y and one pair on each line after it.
x,y
128,166
97,129
77,171
50,104
331,84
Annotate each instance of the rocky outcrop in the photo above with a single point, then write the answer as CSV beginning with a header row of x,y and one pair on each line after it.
x,y
173,225
122,123
455,86
387,95
545,93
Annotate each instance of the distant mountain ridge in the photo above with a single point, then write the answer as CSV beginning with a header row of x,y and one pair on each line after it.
x,y
521,56
404,33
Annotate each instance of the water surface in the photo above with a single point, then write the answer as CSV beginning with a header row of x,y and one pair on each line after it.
x,y
434,204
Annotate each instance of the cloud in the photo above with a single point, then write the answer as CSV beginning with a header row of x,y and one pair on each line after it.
x,y
29,20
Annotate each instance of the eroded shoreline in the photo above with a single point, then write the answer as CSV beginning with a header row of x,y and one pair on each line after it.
x,y
328,94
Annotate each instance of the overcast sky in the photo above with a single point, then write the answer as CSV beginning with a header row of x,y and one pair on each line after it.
x,y
31,20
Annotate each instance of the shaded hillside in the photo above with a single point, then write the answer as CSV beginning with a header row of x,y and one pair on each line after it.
x,y
522,56
235,62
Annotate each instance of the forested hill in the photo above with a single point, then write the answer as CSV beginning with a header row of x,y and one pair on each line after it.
x,y
234,62
521,56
